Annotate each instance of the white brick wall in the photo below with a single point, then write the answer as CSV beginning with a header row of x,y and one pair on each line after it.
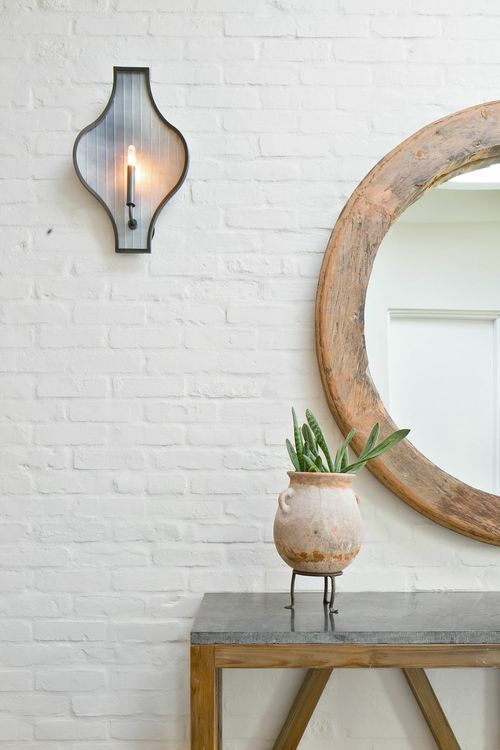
x,y
144,400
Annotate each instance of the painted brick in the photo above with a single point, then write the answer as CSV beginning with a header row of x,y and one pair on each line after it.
x,y
165,579
245,25
70,729
71,580
76,336
74,680
69,434
52,630
15,630
146,387
15,730
64,387
16,680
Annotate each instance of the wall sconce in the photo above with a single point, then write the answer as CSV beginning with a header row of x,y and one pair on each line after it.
x,y
131,159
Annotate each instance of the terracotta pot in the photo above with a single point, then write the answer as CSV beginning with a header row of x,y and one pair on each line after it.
x,y
318,527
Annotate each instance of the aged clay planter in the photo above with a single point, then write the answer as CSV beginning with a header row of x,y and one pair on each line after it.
x,y
318,527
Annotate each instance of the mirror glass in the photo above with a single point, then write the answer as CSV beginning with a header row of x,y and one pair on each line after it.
x,y
432,326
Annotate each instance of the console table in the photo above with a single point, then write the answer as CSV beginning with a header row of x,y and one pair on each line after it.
x,y
406,630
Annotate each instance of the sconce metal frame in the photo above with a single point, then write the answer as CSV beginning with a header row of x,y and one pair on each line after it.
x,y
120,246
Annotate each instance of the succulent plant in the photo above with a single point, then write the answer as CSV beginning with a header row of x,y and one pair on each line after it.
x,y
310,450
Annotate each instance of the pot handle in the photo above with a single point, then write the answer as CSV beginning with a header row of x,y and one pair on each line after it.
x,y
288,493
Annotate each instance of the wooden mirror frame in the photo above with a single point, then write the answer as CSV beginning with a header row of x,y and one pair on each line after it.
x,y
458,143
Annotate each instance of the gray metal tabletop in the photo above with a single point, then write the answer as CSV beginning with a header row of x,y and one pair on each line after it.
x,y
374,617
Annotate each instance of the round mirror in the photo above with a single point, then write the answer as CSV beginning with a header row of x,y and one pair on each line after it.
x,y
432,325
412,271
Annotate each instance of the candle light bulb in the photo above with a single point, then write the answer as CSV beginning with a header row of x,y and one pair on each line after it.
x,y
131,156
132,222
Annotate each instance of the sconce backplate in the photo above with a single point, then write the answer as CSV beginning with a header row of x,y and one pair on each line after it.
x,y
131,117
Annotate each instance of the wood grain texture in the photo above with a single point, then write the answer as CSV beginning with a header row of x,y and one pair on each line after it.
x,y
323,656
431,709
451,146
302,709
206,700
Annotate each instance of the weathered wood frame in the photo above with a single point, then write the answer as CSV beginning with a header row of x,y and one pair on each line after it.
x,y
459,143
207,662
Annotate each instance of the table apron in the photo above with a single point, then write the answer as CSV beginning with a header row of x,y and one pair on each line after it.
x,y
321,656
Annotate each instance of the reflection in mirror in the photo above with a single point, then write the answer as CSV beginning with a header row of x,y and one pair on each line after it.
x,y
432,326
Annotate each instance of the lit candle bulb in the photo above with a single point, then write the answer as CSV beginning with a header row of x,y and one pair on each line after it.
x,y
131,156
131,185
131,176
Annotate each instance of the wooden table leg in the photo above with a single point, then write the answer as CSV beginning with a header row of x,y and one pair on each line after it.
x,y
302,709
431,709
206,699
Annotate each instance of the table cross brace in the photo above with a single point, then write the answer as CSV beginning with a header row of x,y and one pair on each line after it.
x,y
311,691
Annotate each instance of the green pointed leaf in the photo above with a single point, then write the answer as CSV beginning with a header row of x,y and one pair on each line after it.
x,y
372,439
293,456
311,466
299,446
309,441
320,438
349,437
308,435
382,447
307,448
388,443
311,456
342,458
356,466
319,464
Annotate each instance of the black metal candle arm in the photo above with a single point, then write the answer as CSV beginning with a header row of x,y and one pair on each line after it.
x,y
132,222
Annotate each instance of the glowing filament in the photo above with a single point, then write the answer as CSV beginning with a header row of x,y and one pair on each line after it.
x,y
131,156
